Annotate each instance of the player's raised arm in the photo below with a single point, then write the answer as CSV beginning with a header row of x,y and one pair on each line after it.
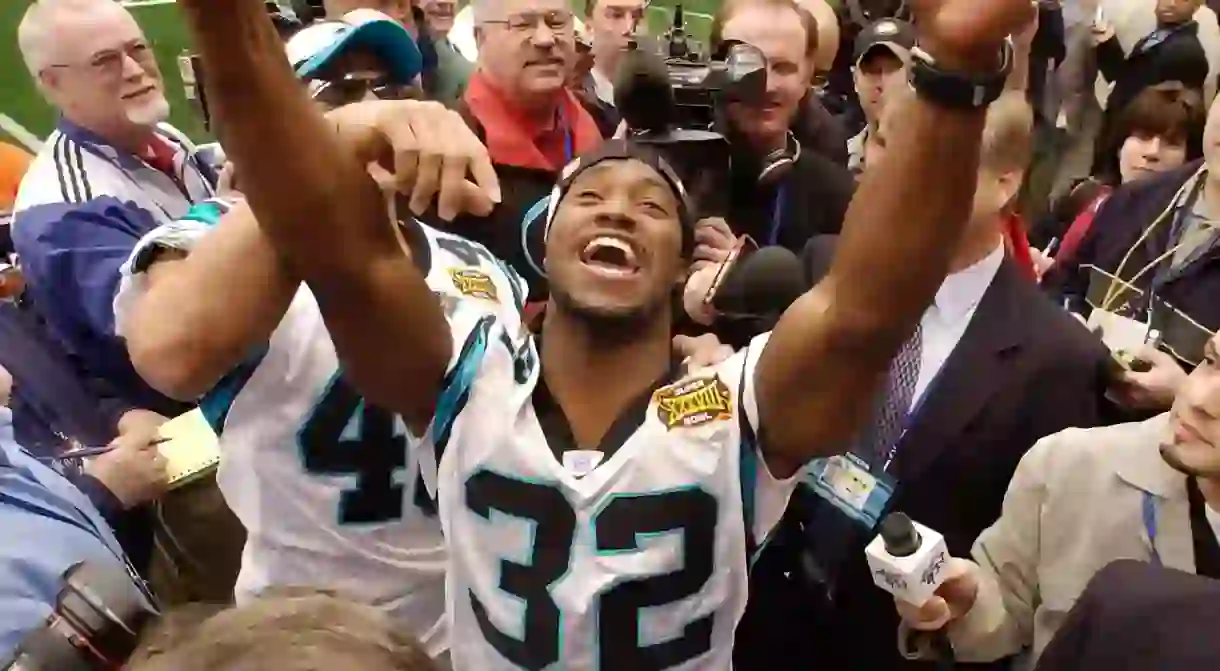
x,y
312,194
816,378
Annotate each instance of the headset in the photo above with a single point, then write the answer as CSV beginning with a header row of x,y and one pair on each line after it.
x,y
778,164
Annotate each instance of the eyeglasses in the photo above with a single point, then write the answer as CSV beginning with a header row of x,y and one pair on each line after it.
x,y
355,87
109,62
557,20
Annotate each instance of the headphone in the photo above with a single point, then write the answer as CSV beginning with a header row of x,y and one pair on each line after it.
x,y
778,164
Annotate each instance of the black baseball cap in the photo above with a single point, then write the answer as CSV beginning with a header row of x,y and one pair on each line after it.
x,y
896,36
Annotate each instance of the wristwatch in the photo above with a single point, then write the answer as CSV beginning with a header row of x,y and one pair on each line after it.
x,y
956,90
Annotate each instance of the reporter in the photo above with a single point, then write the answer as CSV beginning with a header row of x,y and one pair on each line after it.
x,y
1079,500
788,206
49,525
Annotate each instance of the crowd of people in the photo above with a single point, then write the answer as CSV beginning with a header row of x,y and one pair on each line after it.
x,y
501,381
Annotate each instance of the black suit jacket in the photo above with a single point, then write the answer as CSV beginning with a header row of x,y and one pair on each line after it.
x,y
1139,617
1022,370
1179,58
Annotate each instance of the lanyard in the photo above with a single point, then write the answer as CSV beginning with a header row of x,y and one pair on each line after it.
x,y
1183,211
777,215
909,420
1150,526
569,149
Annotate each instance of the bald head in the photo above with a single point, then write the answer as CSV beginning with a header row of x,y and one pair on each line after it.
x,y
46,24
828,33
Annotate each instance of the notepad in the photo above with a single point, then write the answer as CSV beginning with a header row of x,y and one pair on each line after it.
x,y
191,450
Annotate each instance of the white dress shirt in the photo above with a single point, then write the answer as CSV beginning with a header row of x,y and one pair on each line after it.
x,y
1213,519
603,88
946,319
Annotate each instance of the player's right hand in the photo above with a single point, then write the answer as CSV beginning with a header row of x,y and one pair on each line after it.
x,y
953,599
134,471
423,149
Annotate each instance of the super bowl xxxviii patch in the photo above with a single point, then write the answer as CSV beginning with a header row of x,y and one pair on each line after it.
x,y
473,283
693,402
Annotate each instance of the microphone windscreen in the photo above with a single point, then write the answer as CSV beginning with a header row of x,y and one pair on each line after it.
x,y
763,283
642,93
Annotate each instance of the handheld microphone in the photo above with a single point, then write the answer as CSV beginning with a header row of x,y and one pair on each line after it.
x,y
761,284
908,560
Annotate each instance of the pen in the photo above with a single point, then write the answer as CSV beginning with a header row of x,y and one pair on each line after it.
x,y
87,452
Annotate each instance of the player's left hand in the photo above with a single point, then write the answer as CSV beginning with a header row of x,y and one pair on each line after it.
x,y
702,351
422,149
966,35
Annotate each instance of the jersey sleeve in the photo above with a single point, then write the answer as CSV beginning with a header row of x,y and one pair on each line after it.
x,y
764,497
180,235
475,329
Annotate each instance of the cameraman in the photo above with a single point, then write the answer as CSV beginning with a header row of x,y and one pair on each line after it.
x,y
49,525
788,205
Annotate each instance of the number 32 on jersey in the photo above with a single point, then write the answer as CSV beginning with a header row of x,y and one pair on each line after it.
x,y
617,527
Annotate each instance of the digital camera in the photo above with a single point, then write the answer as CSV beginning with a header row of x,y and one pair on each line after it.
x,y
95,626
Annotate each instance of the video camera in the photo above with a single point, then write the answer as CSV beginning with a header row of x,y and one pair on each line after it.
x,y
95,626
671,98
737,72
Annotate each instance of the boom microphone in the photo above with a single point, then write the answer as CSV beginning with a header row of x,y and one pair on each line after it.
x,y
762,284
643,95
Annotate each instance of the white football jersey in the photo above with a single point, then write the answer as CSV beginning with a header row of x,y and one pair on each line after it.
x,y
324,483
630,558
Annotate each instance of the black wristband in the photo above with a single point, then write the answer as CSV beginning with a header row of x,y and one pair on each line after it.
x,y
956,90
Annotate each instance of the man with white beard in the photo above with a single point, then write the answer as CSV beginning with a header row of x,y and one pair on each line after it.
x,y
111,172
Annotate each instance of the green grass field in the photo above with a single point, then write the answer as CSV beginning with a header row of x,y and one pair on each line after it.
x,y
22,104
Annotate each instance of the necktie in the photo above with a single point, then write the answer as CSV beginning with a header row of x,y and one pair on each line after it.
x,y
829,534
893,403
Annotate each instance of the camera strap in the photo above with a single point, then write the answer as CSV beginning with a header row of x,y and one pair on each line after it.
x,y
777,214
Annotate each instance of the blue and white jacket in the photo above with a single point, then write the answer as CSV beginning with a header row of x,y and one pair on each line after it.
x,y
49,525
81,209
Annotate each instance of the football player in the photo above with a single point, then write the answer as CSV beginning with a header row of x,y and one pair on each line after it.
x,y
601,506
323,482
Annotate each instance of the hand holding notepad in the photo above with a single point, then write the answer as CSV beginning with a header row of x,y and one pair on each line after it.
x,y
191,449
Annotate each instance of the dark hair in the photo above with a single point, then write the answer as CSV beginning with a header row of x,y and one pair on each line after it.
x,y
729,7
1170,111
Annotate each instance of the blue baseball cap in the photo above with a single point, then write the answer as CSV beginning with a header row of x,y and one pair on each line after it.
x,y
318,45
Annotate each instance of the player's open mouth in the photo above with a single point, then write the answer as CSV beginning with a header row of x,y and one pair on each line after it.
x,y
610,256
